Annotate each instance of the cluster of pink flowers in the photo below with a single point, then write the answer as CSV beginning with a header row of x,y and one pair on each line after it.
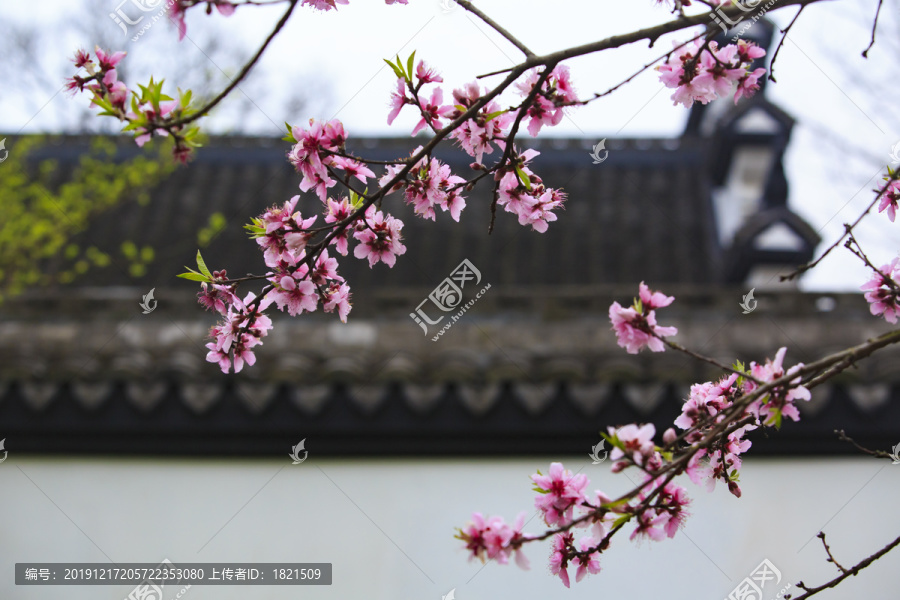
x,y
520,191
242,329
556,93
151,112
488,125
494,539
659,508
702,72
636,326
312,154
706,406
379,238
658,512
883,291
523,193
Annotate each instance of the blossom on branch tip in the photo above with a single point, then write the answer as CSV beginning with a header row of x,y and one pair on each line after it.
x,y
380,238
559,492
882,294
636,326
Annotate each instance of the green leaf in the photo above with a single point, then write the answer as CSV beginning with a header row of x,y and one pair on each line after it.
x,y
397,70
202,266
523,177
409,64
622,520
615,505
493,115
193,276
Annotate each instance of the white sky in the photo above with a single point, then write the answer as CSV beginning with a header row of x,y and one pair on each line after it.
x,y
837,154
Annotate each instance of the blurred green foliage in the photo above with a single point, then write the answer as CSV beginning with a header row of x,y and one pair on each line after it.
x,y
40,215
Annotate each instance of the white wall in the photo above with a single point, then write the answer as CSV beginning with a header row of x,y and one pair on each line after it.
x,y
387,526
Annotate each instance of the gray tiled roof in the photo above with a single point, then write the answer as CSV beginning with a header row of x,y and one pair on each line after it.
x,y
655,191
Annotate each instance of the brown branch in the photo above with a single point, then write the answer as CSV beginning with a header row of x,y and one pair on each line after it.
x,y
495,26
848,229
876,453
847,572
865,52
243,72
784,35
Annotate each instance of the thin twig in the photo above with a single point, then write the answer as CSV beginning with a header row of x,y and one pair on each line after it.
x,y
496,26
784,35
865,52
851,571
244,71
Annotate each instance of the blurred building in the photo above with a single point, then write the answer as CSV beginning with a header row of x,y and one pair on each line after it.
x,y
531,369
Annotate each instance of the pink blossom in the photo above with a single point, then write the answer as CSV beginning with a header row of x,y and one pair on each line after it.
x,y
637,328
653,300
587,564
706,400
476,134
312,153
399,99
780,400
637,442
649,526
702,73
324,4
890,200
432,111
547,106
430,188
338,296
217,297
426,74
295,295
562,543
558,493
353,168
493,539
882,291
337,212
106,61
242,329
380,238
82,58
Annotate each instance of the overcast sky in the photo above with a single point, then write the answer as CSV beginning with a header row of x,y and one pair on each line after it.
x,y
839,149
